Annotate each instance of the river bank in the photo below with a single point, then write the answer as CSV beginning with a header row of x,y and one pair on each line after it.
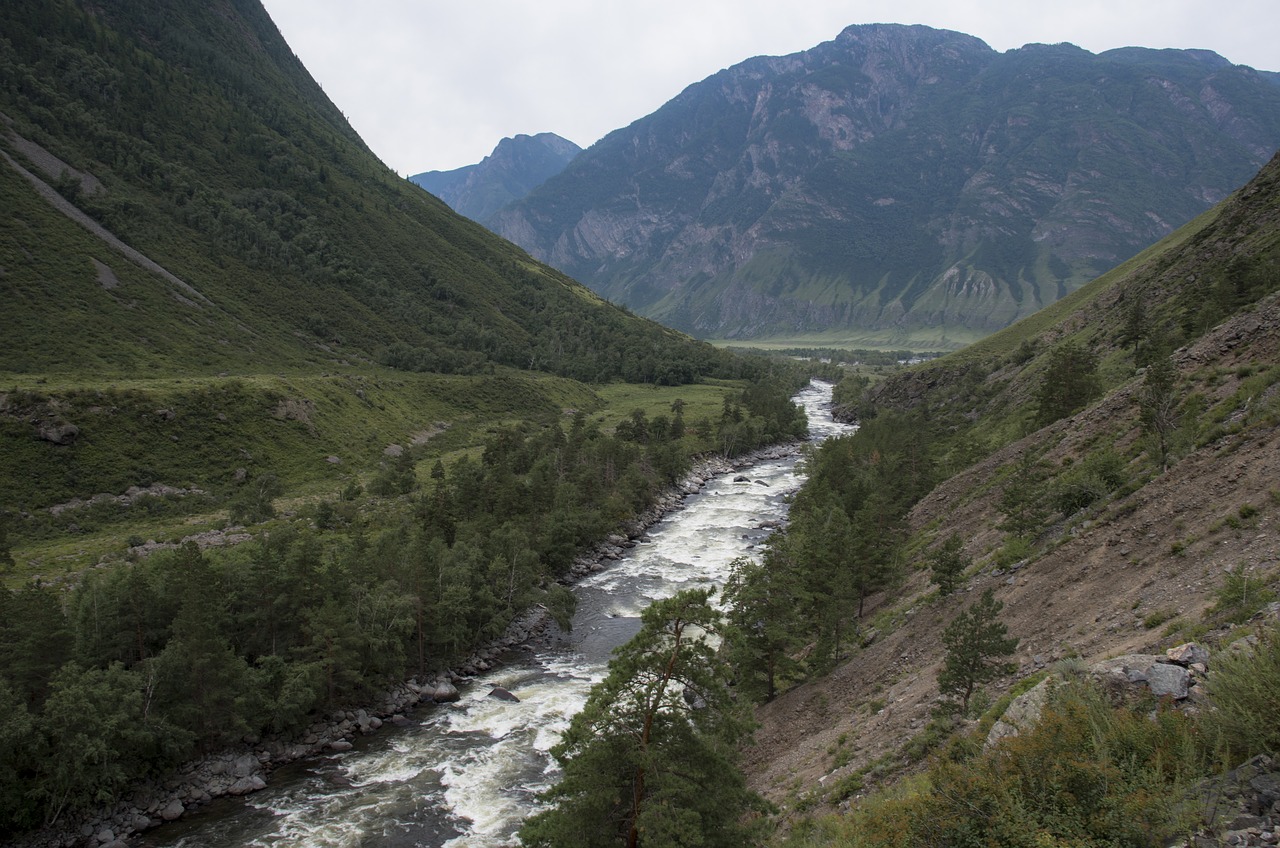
x,y
246,768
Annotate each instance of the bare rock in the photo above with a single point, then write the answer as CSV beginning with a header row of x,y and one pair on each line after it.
x,y
1022,713
1168,680
503,695
1188,654
59,433
245,785
244,766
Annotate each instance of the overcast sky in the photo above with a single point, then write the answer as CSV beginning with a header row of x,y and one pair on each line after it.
x,y
434,85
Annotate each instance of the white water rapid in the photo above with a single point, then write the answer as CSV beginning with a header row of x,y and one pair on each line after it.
x,y
467,774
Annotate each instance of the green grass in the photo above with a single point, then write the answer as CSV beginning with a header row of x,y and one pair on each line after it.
x,y
198,431
921,339
701,401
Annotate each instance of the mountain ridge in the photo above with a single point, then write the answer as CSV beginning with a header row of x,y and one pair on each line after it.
x,y
897,178
260,196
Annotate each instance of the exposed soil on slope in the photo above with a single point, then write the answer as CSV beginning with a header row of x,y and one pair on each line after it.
x,y
1088,596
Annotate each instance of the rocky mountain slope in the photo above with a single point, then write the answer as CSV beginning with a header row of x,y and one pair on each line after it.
x,y
514,168
1139,569
902,181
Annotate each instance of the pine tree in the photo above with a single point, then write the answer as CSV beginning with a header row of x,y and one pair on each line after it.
x,y
6,554
975,642
1158,403
650,760
766,603
1069,383
947,564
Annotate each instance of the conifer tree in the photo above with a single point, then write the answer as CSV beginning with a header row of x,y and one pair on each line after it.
x,y
1158,402
947,564
766,616
976,641
650,759
1070,382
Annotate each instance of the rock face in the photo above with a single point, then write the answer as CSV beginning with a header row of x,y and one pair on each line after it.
x,y
1171,676
898,177
1022,713
59,433
1162,677
514,168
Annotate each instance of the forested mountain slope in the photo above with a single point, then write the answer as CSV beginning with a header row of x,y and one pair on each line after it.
x,y
181,200
194,136
1107,468
898,183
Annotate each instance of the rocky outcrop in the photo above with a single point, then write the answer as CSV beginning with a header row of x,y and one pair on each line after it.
x,y
1173,675
1242,808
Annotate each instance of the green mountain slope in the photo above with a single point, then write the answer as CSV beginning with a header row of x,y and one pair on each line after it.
x,y
194,136
898,182
204,273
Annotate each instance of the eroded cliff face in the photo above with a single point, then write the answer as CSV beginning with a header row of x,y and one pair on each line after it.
x,y
898,177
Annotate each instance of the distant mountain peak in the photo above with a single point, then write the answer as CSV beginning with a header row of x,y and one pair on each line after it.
x,y
898,179
517,165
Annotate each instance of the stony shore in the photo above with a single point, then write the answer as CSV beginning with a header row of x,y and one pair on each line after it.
x,y
246,768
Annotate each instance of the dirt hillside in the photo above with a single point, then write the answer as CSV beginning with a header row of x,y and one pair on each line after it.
x,y
1133,574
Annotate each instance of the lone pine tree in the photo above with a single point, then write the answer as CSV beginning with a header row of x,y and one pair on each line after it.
x,y
975,643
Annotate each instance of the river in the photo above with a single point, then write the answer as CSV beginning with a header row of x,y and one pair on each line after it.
x,y
467,774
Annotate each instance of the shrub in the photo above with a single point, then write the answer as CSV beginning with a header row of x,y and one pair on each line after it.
x,y
1244,694
1100,474
1241,594
1085,775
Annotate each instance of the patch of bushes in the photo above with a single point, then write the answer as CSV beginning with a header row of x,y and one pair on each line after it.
x,y
1085,483
1244,691
1086,775
1241,594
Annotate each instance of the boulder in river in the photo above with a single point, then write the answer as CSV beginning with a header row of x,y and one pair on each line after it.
x,y
503,695
444,692
245,785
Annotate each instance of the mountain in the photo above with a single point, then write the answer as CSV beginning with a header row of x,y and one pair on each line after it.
x,y
898,183
515,167
181,191
1115,528
186,217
